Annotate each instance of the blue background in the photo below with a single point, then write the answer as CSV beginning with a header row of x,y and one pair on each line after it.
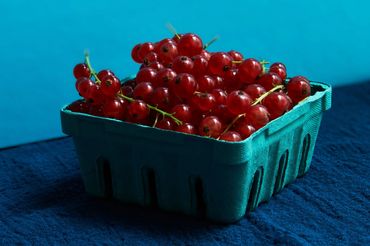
x,y
42,40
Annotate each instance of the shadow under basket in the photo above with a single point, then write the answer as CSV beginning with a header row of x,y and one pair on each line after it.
x,y
220,181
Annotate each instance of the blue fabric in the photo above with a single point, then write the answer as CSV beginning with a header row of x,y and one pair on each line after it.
x,y
42,200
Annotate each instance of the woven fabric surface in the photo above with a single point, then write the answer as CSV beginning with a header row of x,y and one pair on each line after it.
x,y
42,198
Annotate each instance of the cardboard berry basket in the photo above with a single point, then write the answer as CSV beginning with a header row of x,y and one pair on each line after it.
x,y
191,174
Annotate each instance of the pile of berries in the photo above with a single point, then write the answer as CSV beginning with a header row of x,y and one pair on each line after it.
x,y
183,87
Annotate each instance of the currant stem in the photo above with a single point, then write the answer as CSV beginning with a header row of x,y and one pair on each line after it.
x,y
165,114
237,62
156,120
214,39
257,101
172,29
88,63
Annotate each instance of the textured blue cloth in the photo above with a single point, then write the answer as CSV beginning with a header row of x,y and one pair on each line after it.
x,y
42,199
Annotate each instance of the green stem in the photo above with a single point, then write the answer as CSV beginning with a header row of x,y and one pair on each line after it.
x,y
172,30
211,42
88,63
164,113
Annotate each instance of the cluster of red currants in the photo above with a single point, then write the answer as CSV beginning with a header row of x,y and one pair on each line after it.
x,y
183,87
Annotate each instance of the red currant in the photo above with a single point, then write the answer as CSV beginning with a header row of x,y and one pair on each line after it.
x,y
163,77
80,106
146,75
182,112
220,96
85,87
298,89
186,128
165,124
231,136
135,54
150,58
238,102
81,70
206,83
182,64
206,54
138,111
104,73
277,103
160,98
219,63
236,56
257,116
168,52
156,66
281,72
278,64
113,109
183,85
245,130
203,101
143,91
200,65
249,70
223,113
145,48
254,90
110,85
270,80
210,126
190,45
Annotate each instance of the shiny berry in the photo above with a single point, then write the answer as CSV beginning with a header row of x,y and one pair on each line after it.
x,y
127,90
143,91
219,63
298,89
203,101
182,112
186,128
168,52
146,75
113,109
281,72
254,90
81,70
206,83
163,77
150,58
249,70
160,98
156,66
183,85
238,102
206,54
190,45
257,116
231,136
138,111
85,87
165,124
110,85
80,106
135,54
245,130
269,80
210,126
277,103
145,48
278,64
220,96
182,64
104,73
200,65
236,56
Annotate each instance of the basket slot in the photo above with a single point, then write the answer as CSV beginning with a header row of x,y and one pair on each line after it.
x,y
305,149
200,203
105,174
255,189
281,172
151,187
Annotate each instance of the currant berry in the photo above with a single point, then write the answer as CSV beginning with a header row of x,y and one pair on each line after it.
x,y
278,64
165,124
143,91
206,83
168,52
145,48
183,85
182,64
113,109
254,91
138,111
231,80
236,56
257,116
146,75
104,73
160,98
182,112
81,70
135,54
281,72
219,63
190,45
200,65
85,87
150,58
231,136
110,85
269,80
204,102
220,96
238,102
298,89
206,54
177,37
220,83
223,113
210,126
245,130
249,70
127,90
186,128
156,66
80,106
277,103
163,77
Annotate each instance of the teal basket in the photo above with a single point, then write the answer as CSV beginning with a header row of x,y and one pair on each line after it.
x,y
218,180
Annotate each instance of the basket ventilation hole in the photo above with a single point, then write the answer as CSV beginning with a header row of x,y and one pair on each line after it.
x,y
105,171
199,196
281,172
152,188
255,189
305,149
